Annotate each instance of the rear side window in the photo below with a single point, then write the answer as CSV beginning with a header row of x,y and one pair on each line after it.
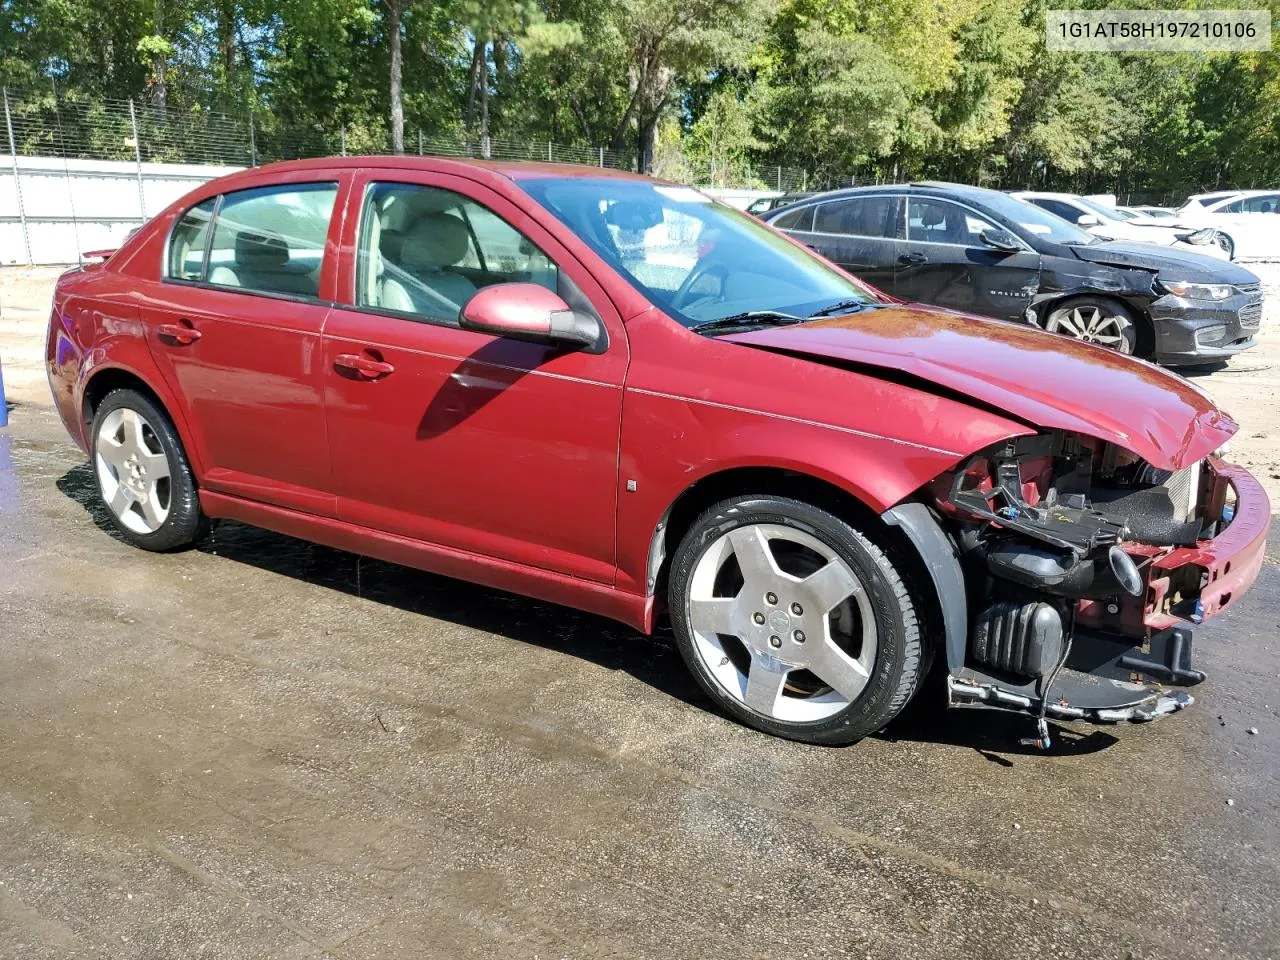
x,y
801,219
1267,203
188,242
271,239
856,217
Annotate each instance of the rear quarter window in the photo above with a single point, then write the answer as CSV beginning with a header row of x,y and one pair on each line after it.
x,y
801,219
188,241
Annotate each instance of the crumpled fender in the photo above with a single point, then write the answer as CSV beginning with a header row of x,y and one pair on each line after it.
x,y
1044,380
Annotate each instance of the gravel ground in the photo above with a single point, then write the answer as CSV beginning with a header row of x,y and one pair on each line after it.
x,y
262,748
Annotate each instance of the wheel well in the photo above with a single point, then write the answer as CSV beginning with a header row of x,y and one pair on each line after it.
x,y
789,483
1141,319
103,383
744,480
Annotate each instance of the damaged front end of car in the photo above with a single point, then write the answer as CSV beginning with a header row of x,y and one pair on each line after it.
x,y
1081,567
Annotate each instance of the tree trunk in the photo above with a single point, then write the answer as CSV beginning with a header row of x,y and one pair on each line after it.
x,y
395,9
227,50
484,114
473,82
159,91
647,140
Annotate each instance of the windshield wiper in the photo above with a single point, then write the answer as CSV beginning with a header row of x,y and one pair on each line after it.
x,y
841,306
750,318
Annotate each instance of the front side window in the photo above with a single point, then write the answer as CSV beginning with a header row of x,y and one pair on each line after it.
x,y
696,259
426,251
272,239
940,221
188,240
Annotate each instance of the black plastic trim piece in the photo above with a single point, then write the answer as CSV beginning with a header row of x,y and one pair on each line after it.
x,y
943,562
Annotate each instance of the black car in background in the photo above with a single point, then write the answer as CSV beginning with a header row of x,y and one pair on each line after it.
x,y
762,206
982,251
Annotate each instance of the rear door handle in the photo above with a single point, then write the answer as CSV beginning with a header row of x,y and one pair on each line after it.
x,y
914,257
364,367
180,333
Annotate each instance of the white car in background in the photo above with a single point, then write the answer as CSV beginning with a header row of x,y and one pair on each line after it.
x,y
1249,220
1155,213
1113,224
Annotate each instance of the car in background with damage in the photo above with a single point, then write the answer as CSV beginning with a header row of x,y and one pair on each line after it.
x,y
984,251
1113,223
610,392
1248,220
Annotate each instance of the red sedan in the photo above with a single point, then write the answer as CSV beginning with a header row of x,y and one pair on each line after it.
x,y
612,393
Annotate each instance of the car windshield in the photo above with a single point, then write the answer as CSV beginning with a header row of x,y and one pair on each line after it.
x,y
1035,220
697,259
1103,211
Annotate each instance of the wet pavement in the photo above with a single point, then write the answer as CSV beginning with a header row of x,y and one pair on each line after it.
x,y
263,748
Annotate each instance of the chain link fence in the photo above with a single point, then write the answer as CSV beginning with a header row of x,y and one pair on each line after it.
x,y
67,128
81,173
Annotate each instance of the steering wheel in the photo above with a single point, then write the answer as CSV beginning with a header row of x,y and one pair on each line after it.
x,y
681,298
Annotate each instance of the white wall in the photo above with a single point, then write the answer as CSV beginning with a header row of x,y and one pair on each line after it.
x,y
738,198
76,205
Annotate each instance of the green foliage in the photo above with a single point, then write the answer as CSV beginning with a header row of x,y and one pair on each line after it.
x,y
708,90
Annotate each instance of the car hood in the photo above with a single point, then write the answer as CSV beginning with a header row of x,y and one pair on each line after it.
x,y
1174,263
1043,379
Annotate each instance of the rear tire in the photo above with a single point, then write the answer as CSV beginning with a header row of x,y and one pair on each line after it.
x,y
143,475
793,621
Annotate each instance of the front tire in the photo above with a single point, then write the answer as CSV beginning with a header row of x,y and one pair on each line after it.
x,y
143,475
1095,320
793,621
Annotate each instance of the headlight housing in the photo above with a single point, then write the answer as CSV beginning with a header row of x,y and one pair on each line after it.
x,y
1196,291
1205,235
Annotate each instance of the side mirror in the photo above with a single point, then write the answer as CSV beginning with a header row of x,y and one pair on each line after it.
x,y
1087,220
527,311
998,239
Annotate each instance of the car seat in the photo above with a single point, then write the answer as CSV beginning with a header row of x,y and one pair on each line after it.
x,y
424,277
934,219
262,263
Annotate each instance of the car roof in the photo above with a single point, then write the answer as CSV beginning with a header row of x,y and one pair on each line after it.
x,y
1045,194
514,170
1236,193
1223,194
935,187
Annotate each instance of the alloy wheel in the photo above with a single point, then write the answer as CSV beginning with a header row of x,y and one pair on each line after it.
x,y
133,471
782,623
1092,324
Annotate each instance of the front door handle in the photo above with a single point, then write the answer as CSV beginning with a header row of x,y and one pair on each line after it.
x,y
181,333
363,367
914,257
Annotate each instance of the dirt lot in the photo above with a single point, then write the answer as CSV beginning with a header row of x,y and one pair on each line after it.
x,y
262,748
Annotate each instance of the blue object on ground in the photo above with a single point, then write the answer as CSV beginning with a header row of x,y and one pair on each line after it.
x,y
4,406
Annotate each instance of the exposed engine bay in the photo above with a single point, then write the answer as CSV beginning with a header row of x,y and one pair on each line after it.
x,y
1075,612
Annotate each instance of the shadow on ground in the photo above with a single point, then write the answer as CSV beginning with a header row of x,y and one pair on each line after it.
x,y
652,660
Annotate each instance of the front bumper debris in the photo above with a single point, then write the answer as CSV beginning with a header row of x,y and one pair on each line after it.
x,y
1127,664
1136,704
